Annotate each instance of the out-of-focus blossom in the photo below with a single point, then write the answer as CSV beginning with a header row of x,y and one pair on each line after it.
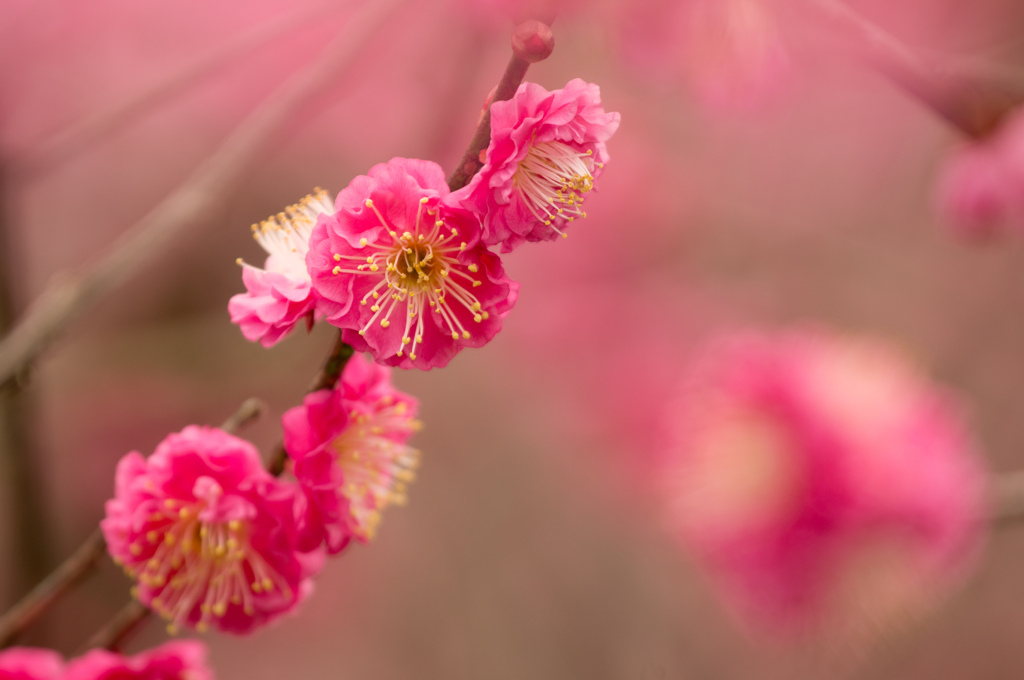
x,y
822,482
400,267
731,51
981,191
501,12
546,150
278,296
176,660
350,454
209,534
26,663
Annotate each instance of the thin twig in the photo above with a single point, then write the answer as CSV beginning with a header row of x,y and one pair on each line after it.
x,y
119,629
970,99
471,161
60,581
83,134
326,379
19,445
76,567
194,200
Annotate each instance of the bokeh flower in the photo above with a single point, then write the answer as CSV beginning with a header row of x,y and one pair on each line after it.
x,y
176,660
209,534
546,150
981,188
401,268
822,482
350,454
278,296
27,663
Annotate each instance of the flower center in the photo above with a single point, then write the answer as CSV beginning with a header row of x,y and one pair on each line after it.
x,y
210,564
419,272
553,179
375,466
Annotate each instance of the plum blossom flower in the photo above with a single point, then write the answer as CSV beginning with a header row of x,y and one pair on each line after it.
x,y
278,296
546,150
209,534
26,663
176,660
981,190
350,454
399,266
823,483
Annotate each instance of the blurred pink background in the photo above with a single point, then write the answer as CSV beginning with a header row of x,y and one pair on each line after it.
x,y
532,546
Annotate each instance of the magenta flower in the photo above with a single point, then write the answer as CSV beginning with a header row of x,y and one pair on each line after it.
x,y
278,296
546,150
350,454
823,483
177,660
26,663
981,191
400,267
209,534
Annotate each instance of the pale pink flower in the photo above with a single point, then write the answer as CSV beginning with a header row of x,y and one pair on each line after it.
x,y
26,663
176,660
981,189
546,150
209,534
280,295
401,269
350,454
822,482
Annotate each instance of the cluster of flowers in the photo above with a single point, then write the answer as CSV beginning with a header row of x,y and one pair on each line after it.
x,y
178,660
213,539
822,482
403,265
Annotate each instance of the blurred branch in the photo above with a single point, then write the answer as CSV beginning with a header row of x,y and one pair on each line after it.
x,y
1008,497
64,301
74,568
19,449
972,99
81,135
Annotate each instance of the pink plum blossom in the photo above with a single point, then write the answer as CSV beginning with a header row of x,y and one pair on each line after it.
x,y
209,534
546,150
400,267
821,481
176,660
350,454
278,296
26,663
981,191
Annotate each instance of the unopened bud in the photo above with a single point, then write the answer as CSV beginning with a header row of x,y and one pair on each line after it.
x,y
532,41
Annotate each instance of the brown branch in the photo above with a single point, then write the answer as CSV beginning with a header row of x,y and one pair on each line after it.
x,y
76,567
60,581
83,134
119,629
193,201
471,161
331,370
973,100
19,445
1007,502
